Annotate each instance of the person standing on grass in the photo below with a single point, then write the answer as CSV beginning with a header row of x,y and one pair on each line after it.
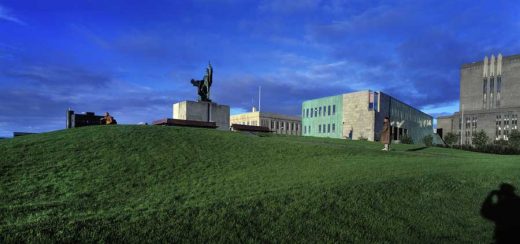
x,y
385,134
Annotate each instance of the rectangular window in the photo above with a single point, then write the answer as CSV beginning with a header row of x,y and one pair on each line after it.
x,y
328,128
328,110
491,91
305,130
312,112
319,128
333,109
484,92
370,101
319,111
307,113
333,128
376,101
499,89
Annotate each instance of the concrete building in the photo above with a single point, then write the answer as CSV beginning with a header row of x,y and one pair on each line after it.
x,y
278,123
489,99
359,115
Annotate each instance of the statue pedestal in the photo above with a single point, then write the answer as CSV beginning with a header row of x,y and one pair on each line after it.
x,y
203,111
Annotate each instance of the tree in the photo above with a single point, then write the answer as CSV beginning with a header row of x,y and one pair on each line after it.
x,y
428,140
480,138
451,139
514,138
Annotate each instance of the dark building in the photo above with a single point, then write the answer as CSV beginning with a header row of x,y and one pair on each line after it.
x,y
85,119
489,99
17,134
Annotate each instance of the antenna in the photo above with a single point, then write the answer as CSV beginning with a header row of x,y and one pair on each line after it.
x,y
259,98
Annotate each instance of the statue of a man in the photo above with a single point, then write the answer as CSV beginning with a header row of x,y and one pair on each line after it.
x,y
204,85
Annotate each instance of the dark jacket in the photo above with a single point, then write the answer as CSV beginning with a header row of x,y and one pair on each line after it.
x,y
385,133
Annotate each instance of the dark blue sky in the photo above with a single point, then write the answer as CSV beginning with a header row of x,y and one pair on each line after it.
x,y
135,58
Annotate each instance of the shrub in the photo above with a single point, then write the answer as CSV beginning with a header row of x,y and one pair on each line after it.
x,y
428,140
480,138
451,139
501,142
362,138
405,139
489,148
514,138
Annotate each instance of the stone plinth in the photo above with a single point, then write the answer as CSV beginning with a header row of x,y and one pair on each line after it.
x,y
202,111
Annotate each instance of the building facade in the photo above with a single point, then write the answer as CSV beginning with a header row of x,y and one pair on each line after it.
x,y
360,115
277,123
489,99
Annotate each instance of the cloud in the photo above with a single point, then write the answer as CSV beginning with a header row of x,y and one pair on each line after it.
x,y
5,14
35,99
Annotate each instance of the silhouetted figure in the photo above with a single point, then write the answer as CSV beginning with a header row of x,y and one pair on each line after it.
x,y
505,212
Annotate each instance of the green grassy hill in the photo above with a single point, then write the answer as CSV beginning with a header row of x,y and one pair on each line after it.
x,y
147,183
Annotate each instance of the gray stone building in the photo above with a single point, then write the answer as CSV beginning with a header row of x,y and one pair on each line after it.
x,y
489,99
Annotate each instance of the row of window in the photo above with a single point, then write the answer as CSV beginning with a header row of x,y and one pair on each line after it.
x,y
397,133
281,125
492,102
274,125
319,111
322,128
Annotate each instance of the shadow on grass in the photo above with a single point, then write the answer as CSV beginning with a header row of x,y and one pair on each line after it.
x,y
502,206
416,149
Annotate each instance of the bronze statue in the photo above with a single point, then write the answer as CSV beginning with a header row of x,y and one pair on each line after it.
x,y
204,85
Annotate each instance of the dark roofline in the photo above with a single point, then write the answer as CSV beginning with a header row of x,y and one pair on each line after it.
x,y
392,97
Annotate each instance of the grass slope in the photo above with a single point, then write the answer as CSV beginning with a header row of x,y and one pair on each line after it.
x,y
149,184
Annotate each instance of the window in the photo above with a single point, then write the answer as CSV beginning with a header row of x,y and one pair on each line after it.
x,y
333,109
491,90
319,128
328,128
333,128
499,89
307,113
315,112
272,124
370,101
484,92
305,130
312,112
376,101
328,110
319,111
309,129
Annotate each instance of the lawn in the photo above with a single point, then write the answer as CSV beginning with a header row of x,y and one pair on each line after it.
x,y
158,184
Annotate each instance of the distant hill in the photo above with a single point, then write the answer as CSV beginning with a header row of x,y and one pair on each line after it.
x,y
168,184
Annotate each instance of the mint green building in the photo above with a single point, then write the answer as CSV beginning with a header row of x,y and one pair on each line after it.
x,y
359,115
